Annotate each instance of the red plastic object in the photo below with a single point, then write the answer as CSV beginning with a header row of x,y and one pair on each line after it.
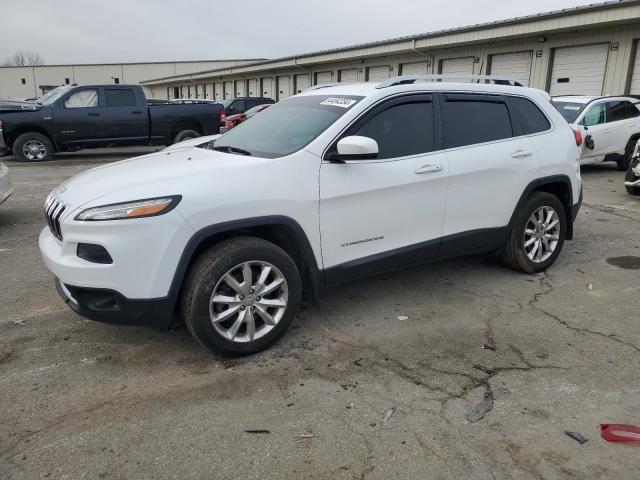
x,y
616,432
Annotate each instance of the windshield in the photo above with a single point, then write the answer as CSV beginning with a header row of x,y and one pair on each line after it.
x,y
569,110
287,126
51,96
227,102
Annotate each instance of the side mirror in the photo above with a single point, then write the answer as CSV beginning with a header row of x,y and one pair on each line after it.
x,y
357,148
588,142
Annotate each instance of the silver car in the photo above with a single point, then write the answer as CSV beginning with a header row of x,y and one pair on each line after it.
x,y
5,184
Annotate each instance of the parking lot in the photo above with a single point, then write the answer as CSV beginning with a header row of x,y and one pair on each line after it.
x,y
459,369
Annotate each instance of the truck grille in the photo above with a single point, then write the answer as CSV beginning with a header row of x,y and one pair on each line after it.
x,y
53,210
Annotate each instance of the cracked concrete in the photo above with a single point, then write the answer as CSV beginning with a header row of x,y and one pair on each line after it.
x,y
487,373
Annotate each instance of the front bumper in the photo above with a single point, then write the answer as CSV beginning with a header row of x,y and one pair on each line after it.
x,y
109,306
3,146
5,183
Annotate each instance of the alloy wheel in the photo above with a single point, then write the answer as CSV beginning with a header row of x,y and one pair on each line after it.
x,y
248,301
34,150
541,234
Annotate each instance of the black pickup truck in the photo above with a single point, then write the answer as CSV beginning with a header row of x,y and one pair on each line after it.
x,y
73,117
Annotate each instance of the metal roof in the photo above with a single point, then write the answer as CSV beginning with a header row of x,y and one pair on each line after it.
x,y
135,63
422,36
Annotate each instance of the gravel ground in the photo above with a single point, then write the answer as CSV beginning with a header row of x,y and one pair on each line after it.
x,y
479,382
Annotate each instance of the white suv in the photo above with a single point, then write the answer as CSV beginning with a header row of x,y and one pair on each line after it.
x,y
332,184
612,122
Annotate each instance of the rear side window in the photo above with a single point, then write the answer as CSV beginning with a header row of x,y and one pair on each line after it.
x,y
621,110
401,130
467,122
531,118
121,97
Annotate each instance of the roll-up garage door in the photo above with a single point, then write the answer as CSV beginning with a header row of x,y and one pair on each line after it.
x,y
457,66
417,68
267,87
240,88
302,82
228,90
515,65
218,91
378,74
635,75
579,70
284,89
253,87
349,75
324,77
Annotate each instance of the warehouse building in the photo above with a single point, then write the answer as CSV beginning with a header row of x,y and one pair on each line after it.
x,y
590,50
28,82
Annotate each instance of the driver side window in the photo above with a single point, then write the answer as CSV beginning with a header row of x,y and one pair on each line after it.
x,y
401,130
82,99
595,115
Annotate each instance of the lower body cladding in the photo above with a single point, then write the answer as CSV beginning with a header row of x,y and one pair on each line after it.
x,y
132,289
109,306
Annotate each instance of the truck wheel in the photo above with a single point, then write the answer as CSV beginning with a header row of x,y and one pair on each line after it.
x,y
32,147
185,135
537,235
241,295
631,177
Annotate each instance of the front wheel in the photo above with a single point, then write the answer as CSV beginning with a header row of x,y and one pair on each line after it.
x,y
537,235
241,295
32,147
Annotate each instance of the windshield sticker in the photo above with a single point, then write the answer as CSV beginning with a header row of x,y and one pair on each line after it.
x,y
339,102
569,107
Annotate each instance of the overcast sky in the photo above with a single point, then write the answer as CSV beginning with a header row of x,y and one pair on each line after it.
x,y
96,31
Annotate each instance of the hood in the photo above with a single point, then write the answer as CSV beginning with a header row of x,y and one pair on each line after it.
x,y
156,174
18,106
233,118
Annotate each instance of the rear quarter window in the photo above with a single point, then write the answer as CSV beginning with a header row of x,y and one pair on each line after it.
x,y
530,116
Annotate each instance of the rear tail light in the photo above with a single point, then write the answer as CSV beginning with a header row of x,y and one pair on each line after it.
x,y
222,115
578,136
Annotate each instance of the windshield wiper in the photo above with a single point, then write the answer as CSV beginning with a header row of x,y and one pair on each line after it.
x,y
230,149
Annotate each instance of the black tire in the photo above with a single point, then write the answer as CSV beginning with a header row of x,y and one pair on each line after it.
x,y
624,162
206,273
514,251
186,135
631,177
20,147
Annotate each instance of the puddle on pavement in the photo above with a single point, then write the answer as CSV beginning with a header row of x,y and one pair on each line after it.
x,y
628,262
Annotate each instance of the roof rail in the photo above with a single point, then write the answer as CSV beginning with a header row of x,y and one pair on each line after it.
x,y
409,79
321,85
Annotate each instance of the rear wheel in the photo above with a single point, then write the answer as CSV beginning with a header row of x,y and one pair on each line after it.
x,y
185,135
537,235
32,147
241,295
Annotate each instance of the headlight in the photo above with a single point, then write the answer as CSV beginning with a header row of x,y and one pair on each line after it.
x,y
137,209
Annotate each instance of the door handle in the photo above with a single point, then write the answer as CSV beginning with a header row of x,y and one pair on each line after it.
x,y
93,114
429,169
521,154
137,112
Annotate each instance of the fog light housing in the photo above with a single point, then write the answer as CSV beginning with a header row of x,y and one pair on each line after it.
x,y
94,253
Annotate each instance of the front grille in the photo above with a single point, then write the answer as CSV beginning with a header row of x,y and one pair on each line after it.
x,y
53,210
